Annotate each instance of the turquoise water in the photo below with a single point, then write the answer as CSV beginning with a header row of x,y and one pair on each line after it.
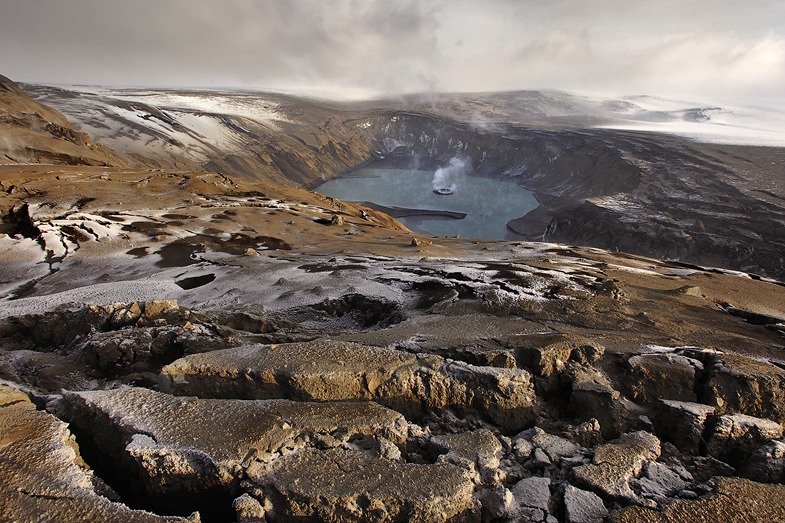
x,y
488,204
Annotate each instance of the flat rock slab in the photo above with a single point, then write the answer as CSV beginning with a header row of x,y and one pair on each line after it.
x,y
582,506
43,474
321,371
736,500
346,485
228,429
177,449
334,370
616,463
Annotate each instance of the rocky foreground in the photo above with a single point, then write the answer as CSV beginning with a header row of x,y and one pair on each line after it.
x,y
182,345
285,357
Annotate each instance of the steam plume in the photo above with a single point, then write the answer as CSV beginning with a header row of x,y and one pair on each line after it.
x,y
444,177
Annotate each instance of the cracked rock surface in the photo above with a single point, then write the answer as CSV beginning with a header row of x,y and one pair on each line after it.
x,y
326,371
43,472
340,484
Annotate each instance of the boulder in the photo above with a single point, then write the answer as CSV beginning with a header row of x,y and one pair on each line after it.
x,y
616,463
167,310
555,447
593,397
767,465
682,423
248,509
496,503
660,482
346,485
478,450
588,433
735,437
540,459
737,384
582,506
532,499
667,376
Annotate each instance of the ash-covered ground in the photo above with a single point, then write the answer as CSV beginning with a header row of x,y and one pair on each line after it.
x,y
183,344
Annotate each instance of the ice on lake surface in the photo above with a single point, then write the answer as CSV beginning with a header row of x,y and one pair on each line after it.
x,y
488,203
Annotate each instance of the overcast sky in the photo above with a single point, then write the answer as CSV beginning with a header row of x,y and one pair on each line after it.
x,y
726,49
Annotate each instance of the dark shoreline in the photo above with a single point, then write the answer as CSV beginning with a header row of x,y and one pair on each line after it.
x,y
404,212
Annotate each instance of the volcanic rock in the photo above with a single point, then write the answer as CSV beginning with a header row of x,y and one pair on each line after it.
x,y
555,447
172,452
763,503
479,451
43,473
616,463
737,384
767,465
345,485
683,424
663,377
581,506
734,437
592,396
545,354
532,499
660,482
334,371
481,338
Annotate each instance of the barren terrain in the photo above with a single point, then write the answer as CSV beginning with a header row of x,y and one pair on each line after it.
x,y
188,333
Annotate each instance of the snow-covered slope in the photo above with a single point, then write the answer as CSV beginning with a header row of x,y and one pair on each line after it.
x,y
701,121
195,125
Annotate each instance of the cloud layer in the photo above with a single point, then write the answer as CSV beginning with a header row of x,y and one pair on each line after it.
x,y
718,48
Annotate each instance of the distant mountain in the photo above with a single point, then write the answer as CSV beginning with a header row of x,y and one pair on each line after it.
x,y
268,137
31,132
613,173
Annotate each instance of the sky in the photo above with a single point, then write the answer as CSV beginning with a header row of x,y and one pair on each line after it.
x,y
723,49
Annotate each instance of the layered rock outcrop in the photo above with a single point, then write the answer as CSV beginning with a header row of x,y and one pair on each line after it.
x,y
330,371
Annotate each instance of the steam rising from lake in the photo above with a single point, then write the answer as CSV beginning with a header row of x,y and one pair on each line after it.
x,y
480,207
444,177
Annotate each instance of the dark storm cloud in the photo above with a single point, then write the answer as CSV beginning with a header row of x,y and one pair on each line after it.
x,y
713,47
